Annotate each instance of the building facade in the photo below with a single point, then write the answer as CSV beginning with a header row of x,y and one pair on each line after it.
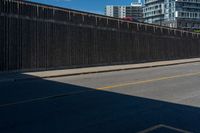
x,y
134,11
153,11
183,14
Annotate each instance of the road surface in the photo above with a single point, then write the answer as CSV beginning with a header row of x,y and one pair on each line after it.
x,y
162,99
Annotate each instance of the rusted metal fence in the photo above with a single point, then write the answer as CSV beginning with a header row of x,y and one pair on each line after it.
x,y
40,37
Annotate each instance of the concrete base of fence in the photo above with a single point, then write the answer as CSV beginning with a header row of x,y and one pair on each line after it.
x,y
79,71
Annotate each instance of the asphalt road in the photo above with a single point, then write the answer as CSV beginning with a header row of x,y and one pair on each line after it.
x,y
162,99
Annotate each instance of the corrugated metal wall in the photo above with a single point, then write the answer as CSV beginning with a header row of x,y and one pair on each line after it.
x,y
39,37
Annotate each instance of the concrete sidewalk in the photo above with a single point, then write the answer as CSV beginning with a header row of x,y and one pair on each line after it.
x,y
78,71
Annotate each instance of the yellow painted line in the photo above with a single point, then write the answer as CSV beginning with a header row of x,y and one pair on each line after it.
x,y
149,81
44,98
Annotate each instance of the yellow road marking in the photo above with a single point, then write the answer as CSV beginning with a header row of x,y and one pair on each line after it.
x,y
149,81
44,98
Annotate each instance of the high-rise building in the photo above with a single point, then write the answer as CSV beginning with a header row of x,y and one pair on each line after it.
x,y
184,14
153,11
134,11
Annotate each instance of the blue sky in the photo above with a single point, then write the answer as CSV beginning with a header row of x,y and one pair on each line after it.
x,y
95,6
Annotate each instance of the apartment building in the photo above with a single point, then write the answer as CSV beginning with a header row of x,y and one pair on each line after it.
x,y
183,14
133,10
153,11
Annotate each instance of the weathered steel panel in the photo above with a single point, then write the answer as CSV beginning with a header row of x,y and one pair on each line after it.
x,y
39,37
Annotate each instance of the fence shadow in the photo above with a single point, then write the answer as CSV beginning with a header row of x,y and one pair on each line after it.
x,y
65,108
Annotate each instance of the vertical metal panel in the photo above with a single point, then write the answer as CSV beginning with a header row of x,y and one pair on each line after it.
x,y
40,37
2,43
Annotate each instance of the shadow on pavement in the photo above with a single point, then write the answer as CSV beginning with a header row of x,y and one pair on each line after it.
x,y
43,106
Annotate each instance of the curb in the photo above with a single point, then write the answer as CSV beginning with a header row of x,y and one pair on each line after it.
x,y
120,69
92,72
